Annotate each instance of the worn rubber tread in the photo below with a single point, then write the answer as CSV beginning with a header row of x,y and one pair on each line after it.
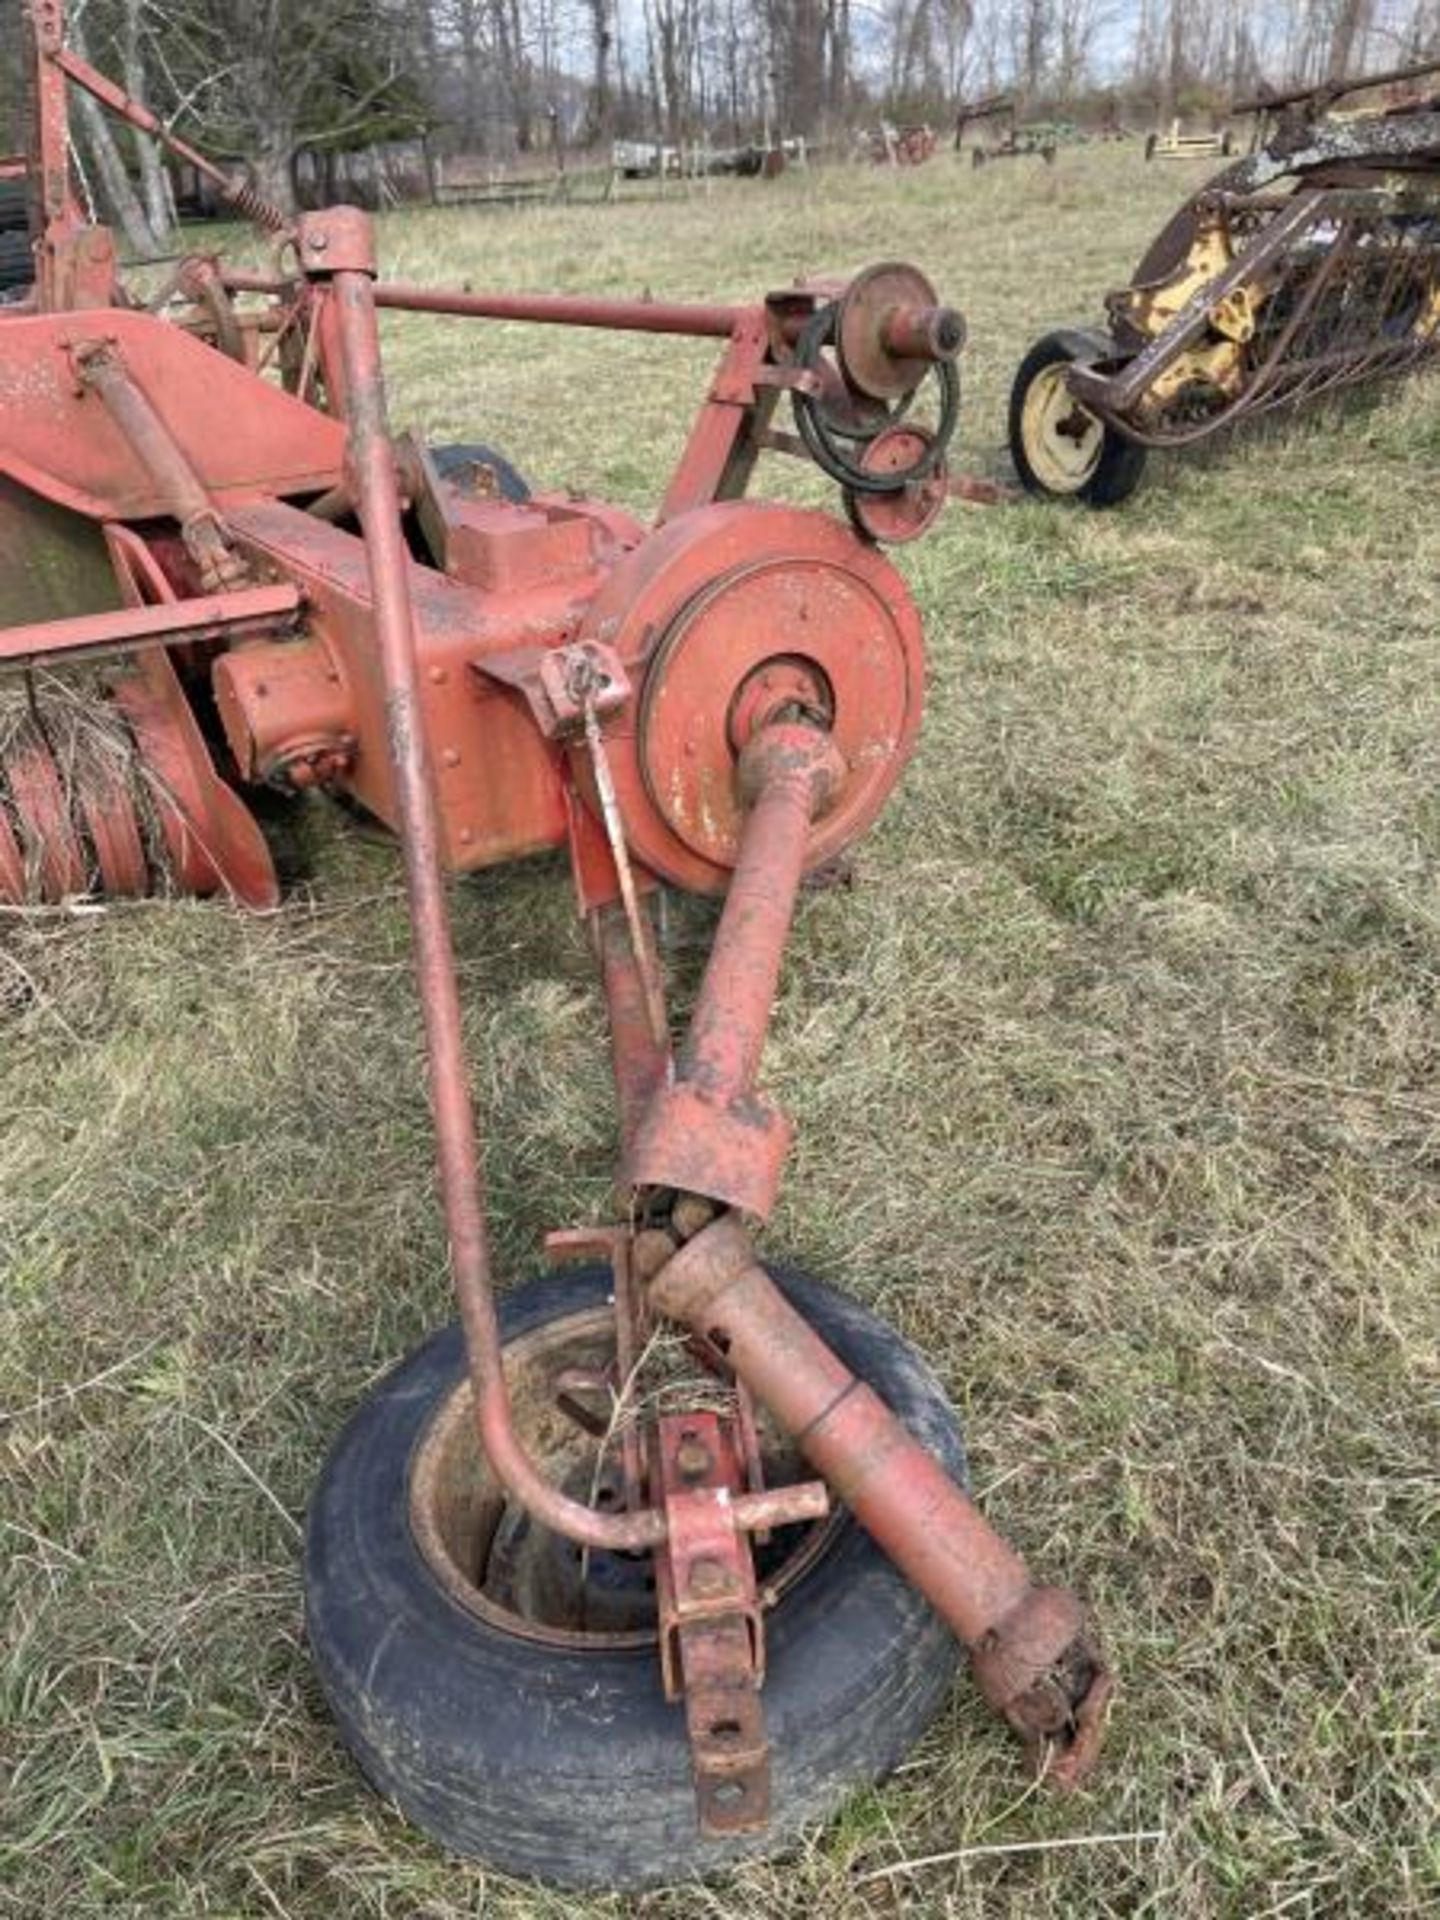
x,y
571,1767
14,206
452,461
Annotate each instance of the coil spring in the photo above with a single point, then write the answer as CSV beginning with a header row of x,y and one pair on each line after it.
x,y
254,206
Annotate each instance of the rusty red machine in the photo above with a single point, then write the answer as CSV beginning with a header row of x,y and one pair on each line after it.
x,y
205,515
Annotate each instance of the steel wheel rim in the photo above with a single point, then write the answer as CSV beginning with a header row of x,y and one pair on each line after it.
x,y
1061,459
459,1517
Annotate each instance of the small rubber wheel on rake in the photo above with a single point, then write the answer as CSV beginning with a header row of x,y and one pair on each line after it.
x,y
1061,450
503,1688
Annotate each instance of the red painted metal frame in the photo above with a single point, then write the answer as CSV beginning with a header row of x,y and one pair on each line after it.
x,y
409,648
350,264
712,1633
1034,1654
712,1132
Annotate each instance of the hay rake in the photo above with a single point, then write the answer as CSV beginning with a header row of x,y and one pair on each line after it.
x,y
1307,268
594,1644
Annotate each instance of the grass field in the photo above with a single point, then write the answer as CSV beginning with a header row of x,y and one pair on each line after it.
x,y
1117,1082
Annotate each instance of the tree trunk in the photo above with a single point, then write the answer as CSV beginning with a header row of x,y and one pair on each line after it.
x,y
120,197
152,168
1175,65
600,116
1352,23
273,166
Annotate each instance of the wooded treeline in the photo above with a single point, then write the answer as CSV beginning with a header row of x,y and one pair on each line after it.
x,y
263,81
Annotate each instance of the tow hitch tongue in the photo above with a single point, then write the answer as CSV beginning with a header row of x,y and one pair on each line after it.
x,y
705,1156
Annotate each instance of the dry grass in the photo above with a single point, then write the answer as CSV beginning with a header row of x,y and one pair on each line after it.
x,y
1116,1082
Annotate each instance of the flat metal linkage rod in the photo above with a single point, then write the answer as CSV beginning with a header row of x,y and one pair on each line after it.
x,y
247,613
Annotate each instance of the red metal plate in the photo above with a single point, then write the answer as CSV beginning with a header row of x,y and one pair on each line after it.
x,y
114,831
211,834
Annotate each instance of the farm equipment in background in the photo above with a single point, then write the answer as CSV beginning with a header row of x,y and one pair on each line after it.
x,y
597,1627
1175,145
892,146
1310,266
1013,141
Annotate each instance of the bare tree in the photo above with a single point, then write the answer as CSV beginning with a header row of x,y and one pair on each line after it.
x,y
1078,24
104,148
1350,24
261,80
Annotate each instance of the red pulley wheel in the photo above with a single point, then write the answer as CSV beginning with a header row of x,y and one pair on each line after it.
x,y
733,615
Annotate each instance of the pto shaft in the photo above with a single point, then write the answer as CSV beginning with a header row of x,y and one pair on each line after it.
x,y
713,1133
1033,1651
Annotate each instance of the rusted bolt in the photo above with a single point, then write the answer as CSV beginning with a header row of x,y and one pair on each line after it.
x,y
692,1457
317,242
451,756
466,835
709,1578
438,676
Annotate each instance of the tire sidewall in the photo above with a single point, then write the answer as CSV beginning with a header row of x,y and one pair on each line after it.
x,y
571,1766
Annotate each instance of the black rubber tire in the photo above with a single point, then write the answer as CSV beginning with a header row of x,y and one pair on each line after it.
x,y
1121,465
570,1767
17,264
455,462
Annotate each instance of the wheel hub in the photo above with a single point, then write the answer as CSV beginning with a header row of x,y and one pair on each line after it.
x,y
493,1559
1063,440
726,618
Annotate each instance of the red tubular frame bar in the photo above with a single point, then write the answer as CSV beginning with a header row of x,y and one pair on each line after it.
x,y
350,267
1034,1655
712,1133
377,495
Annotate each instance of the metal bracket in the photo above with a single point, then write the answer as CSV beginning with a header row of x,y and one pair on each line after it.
x,y
562,685
712,1644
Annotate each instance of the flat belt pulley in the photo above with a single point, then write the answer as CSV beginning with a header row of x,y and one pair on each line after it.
x,y
732,617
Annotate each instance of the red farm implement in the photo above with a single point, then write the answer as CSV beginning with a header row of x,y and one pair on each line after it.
x,y
593,1632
